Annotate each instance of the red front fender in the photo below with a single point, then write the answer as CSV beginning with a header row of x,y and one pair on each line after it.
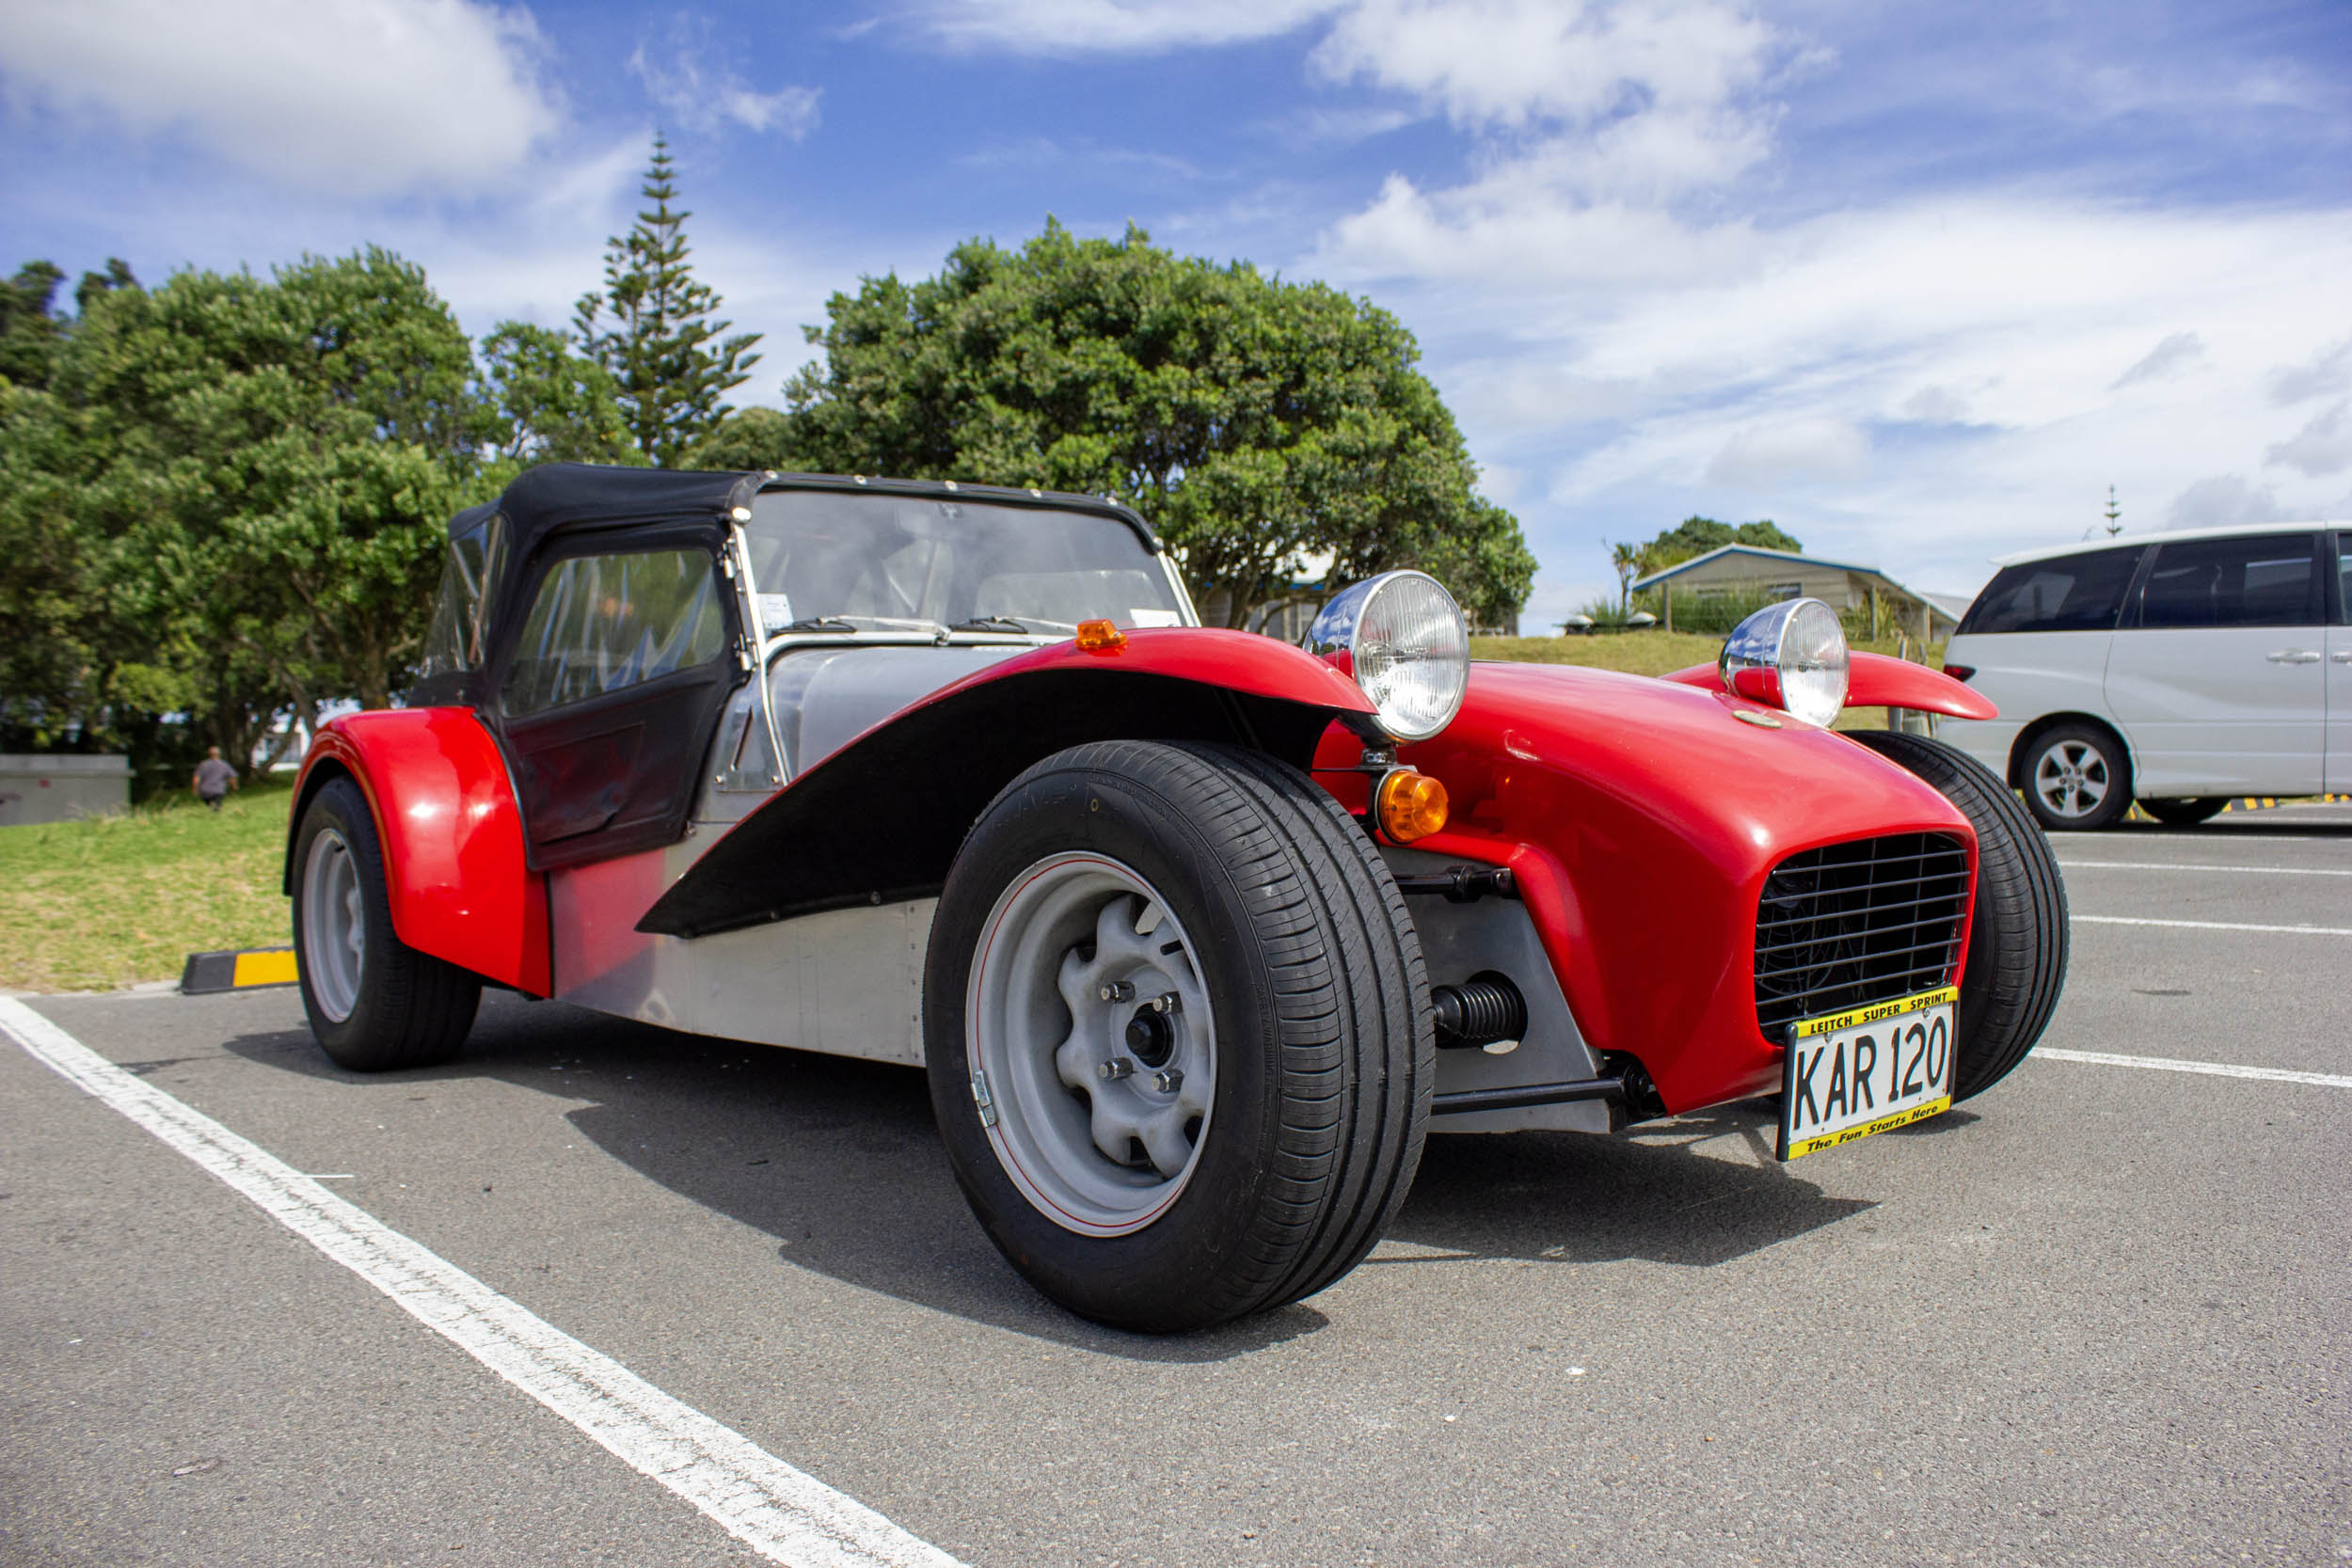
x,y
452,834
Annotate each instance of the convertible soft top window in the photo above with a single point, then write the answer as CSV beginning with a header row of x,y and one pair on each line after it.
x,y
895,557
604,622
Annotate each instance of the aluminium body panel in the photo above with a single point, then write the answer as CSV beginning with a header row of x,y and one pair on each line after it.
x,y
1461,940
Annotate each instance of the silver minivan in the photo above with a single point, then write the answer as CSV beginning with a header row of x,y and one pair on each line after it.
x,y
2179,669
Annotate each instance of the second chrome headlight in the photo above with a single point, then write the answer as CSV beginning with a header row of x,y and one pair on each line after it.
x,y
1792,655
1410,647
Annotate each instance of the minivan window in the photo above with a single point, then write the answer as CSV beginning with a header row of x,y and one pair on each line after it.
x,y
2071,593
2270,579
2343,578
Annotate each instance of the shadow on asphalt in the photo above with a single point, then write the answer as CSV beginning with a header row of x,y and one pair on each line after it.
x,y
1575,1198
837,1159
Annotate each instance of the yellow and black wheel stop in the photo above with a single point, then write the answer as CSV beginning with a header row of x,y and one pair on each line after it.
x,y
250,969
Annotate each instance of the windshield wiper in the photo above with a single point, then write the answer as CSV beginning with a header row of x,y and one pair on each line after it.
x,y
1011,623
820,623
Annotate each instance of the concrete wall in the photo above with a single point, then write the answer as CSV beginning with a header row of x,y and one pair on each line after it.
x,y
59,788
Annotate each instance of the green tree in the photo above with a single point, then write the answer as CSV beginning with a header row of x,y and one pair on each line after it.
x,y
547,404
652,329
273,464
1262,427
29,329
1696,536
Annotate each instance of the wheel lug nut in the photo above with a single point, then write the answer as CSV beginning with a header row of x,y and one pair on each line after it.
x,y
1118,1067
1166,1002
1118,990
1169,1078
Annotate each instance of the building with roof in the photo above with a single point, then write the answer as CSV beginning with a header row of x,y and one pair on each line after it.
x,y
1752,571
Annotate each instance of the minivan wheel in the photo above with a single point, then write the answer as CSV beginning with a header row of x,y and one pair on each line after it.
x,y
2184,811
2076,777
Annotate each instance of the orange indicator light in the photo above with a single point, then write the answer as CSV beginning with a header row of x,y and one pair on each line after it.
x,y
1412,805
1100,637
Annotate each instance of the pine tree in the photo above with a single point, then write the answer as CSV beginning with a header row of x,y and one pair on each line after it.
x,y
651,328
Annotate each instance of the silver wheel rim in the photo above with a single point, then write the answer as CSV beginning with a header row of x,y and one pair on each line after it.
x,y
334,926
1076,951
2072,779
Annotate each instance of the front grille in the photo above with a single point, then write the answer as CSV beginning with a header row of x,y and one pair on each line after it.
x,y
1857,922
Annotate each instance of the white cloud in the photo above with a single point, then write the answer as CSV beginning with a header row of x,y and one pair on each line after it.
x,y
1513,62
2169,357
2320,448
1935,405
1800,449
2222,500
359,97
1117,27
2328,369
703,97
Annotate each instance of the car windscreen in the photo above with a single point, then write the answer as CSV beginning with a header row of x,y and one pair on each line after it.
x,y
826,553
2067,593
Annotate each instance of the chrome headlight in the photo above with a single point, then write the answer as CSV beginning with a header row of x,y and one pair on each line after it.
x,y
1410,647
1792,655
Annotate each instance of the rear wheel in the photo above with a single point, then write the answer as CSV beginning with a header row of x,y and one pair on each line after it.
x,y
2077,777
2184,811
374,1001
2017,933
1178,1032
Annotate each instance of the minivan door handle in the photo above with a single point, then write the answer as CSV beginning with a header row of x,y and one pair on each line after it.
x,y
2342,656
2294,655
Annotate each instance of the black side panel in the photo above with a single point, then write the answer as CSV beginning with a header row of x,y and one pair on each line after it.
x,y
880,819
615,774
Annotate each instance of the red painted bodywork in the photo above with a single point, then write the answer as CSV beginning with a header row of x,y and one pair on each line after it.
x,y
1640,818
1872,680
1237,660
452,837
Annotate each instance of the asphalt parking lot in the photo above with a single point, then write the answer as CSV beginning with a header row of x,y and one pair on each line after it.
x,y
2095,1316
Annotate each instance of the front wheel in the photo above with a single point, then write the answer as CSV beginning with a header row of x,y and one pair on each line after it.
x,y
2017,931
1178,1032
374,1001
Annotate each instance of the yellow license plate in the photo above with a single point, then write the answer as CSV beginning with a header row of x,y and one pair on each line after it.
x,y
1864,1070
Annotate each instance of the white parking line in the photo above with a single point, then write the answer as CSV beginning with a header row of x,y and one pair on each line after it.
x,y
2183,865
2209,925
781,1514
2171,1064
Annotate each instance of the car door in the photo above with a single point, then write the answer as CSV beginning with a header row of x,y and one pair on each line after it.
x,y
607,697
2339,673
2218,678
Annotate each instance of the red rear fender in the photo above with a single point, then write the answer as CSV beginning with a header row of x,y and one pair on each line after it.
x,y
452,837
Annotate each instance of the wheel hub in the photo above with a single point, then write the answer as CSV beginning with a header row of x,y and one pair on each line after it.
x,y
1089,1015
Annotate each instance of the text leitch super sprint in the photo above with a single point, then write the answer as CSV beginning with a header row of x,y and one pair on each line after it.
x,y
1196,934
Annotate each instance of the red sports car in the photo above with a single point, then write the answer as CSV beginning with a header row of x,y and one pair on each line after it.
x,y
1198,934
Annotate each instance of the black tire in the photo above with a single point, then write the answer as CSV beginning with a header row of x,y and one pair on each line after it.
x,y
2103,759
2017,935
2184,811
1324,1046
410,1010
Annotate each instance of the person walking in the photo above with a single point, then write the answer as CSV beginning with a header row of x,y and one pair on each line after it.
x,y
214,779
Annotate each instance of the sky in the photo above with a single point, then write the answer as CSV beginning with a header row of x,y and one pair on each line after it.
x,y
1919,283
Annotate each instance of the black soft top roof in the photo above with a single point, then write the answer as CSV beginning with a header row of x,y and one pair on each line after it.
x,y
556,496
560,497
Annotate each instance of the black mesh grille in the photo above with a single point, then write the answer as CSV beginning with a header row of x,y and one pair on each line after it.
x,y
1857,923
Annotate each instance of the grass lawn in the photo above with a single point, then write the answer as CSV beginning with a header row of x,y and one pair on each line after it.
x,y
114,900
